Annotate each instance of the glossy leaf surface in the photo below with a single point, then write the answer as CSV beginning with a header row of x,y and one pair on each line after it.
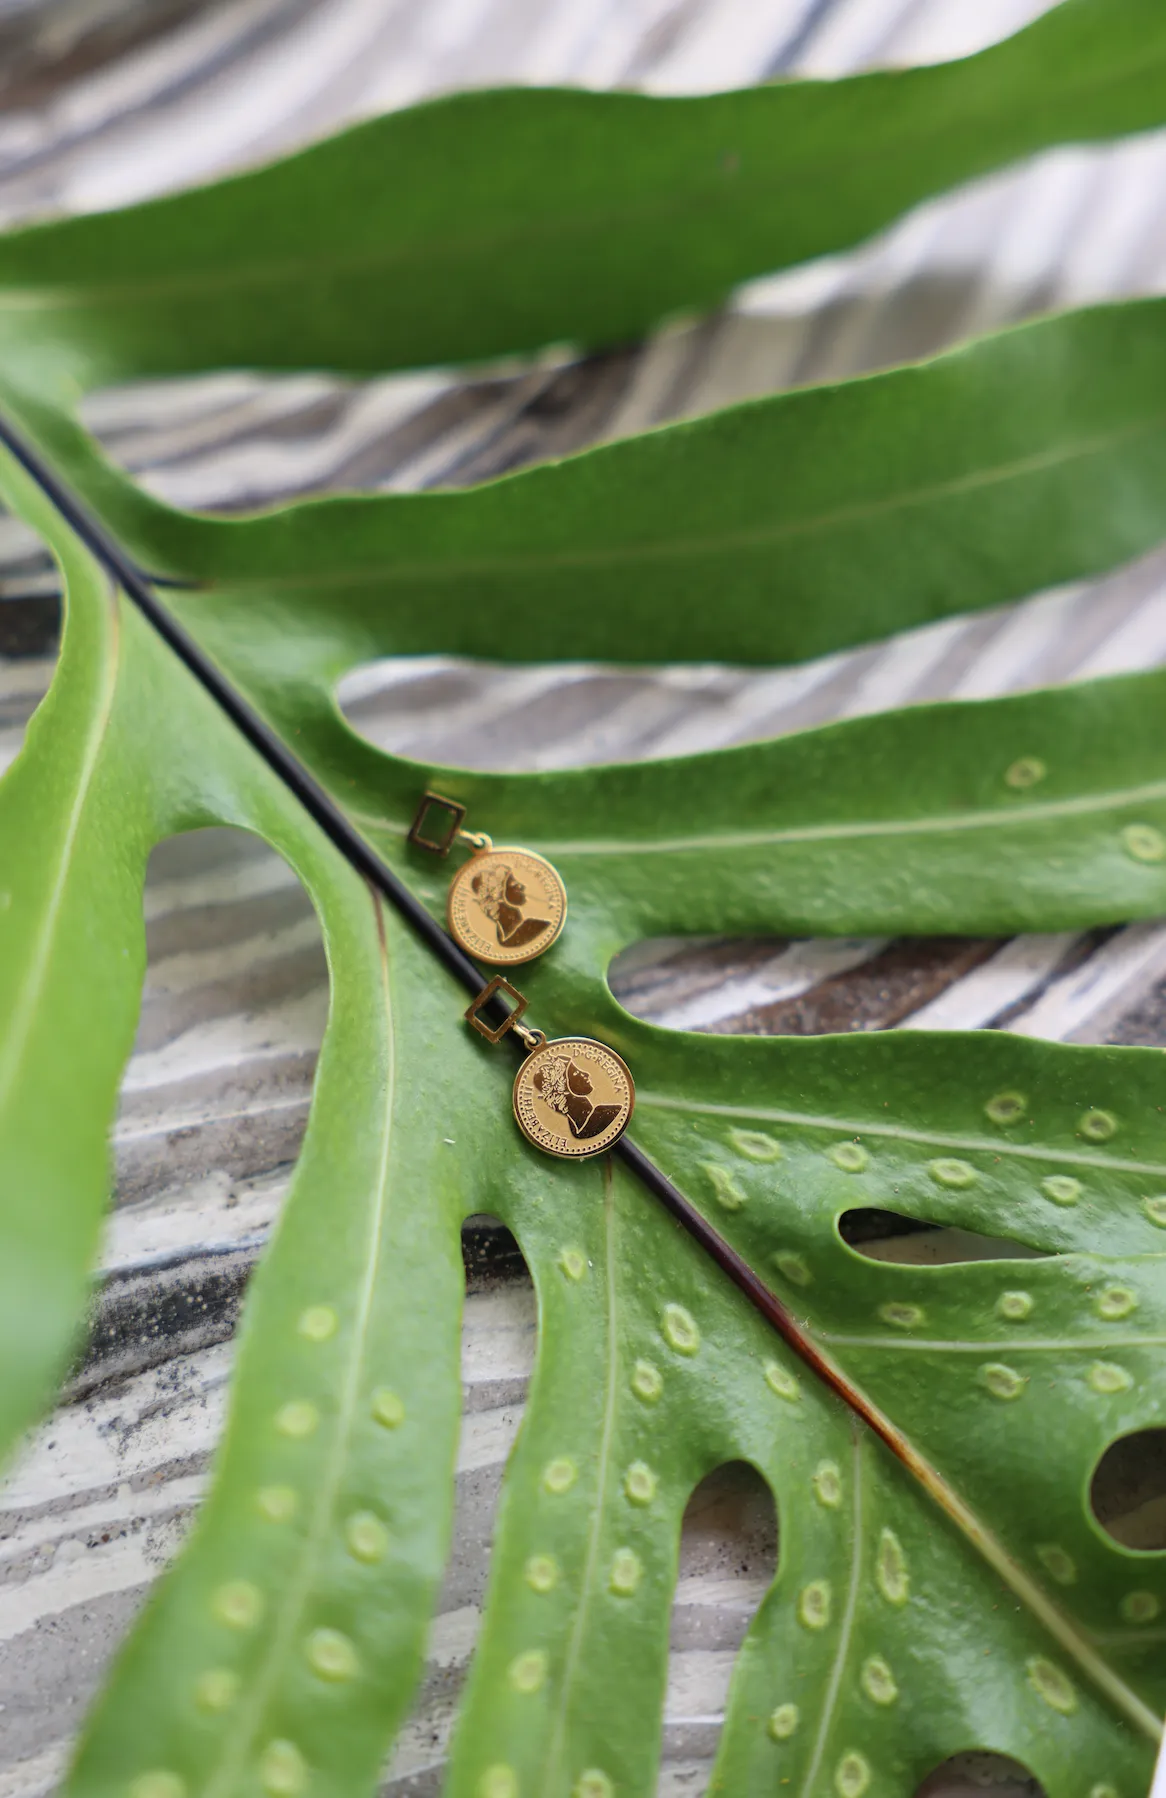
x,y
1032,457
296,1611
487,223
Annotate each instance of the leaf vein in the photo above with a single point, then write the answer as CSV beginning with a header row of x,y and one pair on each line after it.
x,y
22,1016
554,1760
241,1738
1112,1164
848,1615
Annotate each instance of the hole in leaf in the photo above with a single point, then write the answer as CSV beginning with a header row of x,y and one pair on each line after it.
x,y
213,1105
728,1560
214,1098
730,1528
498,1342
978,1773
491,1254
233,1012
891,1236
499,1339
30,620
1128,1491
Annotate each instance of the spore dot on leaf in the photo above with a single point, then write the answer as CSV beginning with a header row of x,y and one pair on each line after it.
x,y
904,1317
542,1573
851,1157
891,1569
1026,771
277,1503
317,1323
1001,1381
1114,1303
238,1604
1155,1210
573,1263
527,1671
792,1268
878,1682
852,1775
647,1381
559,1475
1062,1189
593,1784
387,1408
216,1690
1107,1377
1057,1562
366,1537
1015,1306
331,1655
1103,1791
828,1484
1097,1126
1052,1685
755,1145
726,1192
1140,1607
814,1604
680,1330
498,1782
626,1572
283,1769
947,1171
640,1483
786,1385
297,1419
1006,1108
1144,843
159,1783
783,1722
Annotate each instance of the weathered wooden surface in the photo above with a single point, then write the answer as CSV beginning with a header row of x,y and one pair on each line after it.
x,y
105,100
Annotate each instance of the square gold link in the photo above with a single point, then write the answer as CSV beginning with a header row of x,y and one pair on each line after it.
x,y
496,986
435,802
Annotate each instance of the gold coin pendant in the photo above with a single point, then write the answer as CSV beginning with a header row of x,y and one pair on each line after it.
x,y
573,1097
506,906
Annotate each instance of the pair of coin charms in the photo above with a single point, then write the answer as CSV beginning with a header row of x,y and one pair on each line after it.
x,y
573,1097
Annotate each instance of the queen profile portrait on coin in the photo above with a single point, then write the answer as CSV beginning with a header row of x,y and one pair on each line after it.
x,y
506,905
573,1097
502,896
567,1089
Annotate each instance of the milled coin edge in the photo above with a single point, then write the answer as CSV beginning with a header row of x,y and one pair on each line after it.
x,y
486,955
559,1042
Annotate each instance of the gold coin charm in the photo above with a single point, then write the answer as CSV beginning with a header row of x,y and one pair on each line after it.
x,y
506,906
573,1097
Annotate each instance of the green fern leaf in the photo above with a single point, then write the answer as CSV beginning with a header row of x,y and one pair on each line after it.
x,y
941,1580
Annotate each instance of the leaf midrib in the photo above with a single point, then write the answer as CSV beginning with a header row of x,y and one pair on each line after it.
x,y
554,1758
1063,1629
938,824
1012,1345
842,1651
23,1015
849,1127
241,1739
1080,805
671,548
